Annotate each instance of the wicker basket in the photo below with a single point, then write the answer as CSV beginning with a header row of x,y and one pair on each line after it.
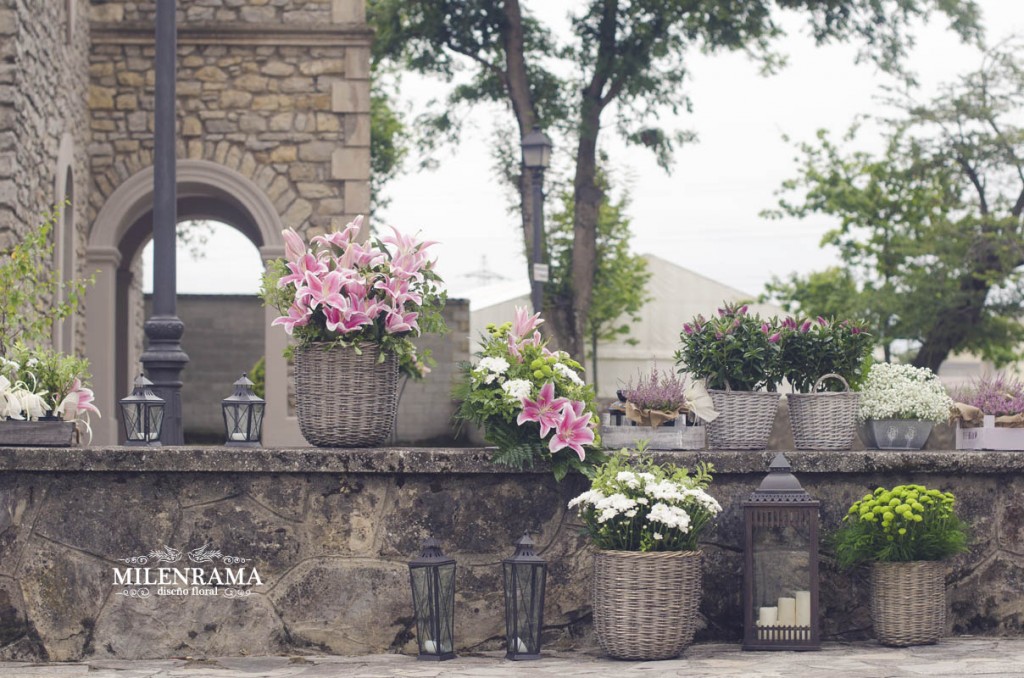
x,y
824,420
344,399
908,602
744,420
645,604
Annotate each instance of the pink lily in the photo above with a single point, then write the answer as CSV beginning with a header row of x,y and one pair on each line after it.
x,y
325,291
545,410
78,399
397,321
572,431
307,263
297,317
525,323
294,245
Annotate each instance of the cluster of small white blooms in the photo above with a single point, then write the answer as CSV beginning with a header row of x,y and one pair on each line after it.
x,y
628,478
568,373
657,536
666,490
646,477
9,363
491,368
589,497
709,503
670,516
517,389
903,392
612,505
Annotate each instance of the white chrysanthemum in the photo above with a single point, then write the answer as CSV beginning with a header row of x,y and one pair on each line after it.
x,y
613,505
589,497
628,478
704,499
903,392
494,365
657,536
517,389
670,516
665,490
568,373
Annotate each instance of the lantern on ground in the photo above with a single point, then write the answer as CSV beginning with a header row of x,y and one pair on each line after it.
x,y
525,574
433,599
780,573
142,414
243,415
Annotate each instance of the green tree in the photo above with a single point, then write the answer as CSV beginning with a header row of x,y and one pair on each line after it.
x,y
930,232
625,58
620,277
389,140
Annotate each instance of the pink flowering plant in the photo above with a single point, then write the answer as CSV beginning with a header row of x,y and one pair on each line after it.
x,y
735,350
531,401
40,383
810,349
344,292
1000,395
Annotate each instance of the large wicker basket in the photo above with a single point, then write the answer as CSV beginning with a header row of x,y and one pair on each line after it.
x,y
908,602
824,420
645,604
345,399
744,419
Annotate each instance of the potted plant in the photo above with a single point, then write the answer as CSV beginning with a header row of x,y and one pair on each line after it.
x,y
899,404
531,402
645,522
736,354
658,407
989,414
353,309
904,533
822,360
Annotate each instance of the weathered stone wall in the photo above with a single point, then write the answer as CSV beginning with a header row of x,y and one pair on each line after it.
x,y
331,531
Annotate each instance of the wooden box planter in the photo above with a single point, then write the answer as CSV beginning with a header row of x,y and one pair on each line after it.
x,y
54,433
678,437
988,436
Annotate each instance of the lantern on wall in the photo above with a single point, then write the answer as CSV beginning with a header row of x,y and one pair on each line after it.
x,y
525,574
433,599
243,415
142,414
780,573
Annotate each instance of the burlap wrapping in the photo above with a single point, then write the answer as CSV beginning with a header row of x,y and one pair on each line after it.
x,y
698,401
972,417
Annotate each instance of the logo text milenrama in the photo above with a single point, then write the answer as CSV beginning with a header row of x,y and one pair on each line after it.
x,y
194,576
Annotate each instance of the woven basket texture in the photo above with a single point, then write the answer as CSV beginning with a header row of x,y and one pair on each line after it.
x,y
744,420
823,420
908,602
344,399
645,604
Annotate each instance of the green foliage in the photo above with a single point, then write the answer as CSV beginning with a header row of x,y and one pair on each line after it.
x,y
258,377
635,504
811,349
389,141
48,373
735,350
930,231
29,289
906,523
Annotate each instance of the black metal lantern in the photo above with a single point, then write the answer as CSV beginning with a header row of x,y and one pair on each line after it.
x,y
142,414
780,573
433,600
525,574
243,415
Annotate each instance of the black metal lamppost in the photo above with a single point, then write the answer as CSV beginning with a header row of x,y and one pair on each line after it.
x,y
525,574
433,598
164,359
142,414
536,158
780,570
243,415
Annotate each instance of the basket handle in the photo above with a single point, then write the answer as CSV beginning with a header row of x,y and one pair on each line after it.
x,y
831,375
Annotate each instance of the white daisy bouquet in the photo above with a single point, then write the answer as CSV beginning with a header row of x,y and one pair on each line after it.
x,y
636,505
903,392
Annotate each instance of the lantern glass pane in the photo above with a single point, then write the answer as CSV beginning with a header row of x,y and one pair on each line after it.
x,y
155,416
133,420
524,600
235,421
257,420
781,555
433,597
446,607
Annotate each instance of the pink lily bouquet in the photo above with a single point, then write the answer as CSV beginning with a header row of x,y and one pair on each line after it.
x,y
531,401
342,291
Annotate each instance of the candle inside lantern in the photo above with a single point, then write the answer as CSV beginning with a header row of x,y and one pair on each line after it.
x,y
803,608
767,616
429,647
238,436
520,646
787,612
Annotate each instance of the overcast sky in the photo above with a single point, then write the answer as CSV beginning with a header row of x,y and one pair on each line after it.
x,y
704,215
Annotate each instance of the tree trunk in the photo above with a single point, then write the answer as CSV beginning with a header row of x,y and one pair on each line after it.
x,y
952,324
587,198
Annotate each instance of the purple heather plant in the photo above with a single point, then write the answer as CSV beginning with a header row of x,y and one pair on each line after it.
x,y
998,395
657,390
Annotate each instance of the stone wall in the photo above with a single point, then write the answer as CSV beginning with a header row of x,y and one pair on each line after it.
x,y
330,532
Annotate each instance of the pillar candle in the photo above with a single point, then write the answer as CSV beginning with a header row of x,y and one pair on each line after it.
x,y
803,608
767,616
787,611
430,647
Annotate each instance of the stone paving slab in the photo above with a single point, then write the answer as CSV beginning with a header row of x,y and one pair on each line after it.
x,y
962,656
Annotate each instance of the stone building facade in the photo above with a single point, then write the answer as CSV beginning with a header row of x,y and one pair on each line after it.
x,y
273,132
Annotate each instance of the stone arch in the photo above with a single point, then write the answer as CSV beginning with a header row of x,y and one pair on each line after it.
x,y
64,237
205,190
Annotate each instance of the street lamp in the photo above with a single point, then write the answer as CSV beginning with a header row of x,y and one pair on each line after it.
x,y
536,158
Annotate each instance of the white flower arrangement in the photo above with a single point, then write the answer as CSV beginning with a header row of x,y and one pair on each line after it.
x,y
636,505
903,392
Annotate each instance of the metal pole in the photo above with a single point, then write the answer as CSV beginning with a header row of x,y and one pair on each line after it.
x,y
537,290
164,359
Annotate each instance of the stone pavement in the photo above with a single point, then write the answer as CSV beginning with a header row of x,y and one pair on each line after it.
x,y
953,657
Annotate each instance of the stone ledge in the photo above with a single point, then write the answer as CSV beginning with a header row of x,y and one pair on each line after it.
x,y
297,35
470,460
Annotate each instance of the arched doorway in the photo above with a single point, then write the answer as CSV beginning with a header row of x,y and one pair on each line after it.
x,y
206,190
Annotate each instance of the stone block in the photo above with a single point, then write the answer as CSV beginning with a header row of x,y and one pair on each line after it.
x,y
357,196
351,164
101,98
235,99
357,129
322,67
284,154
348,11
357,63
112,12
350,96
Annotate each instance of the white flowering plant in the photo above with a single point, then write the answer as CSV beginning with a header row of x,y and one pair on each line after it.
x,y
634,504
531,401
903,392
